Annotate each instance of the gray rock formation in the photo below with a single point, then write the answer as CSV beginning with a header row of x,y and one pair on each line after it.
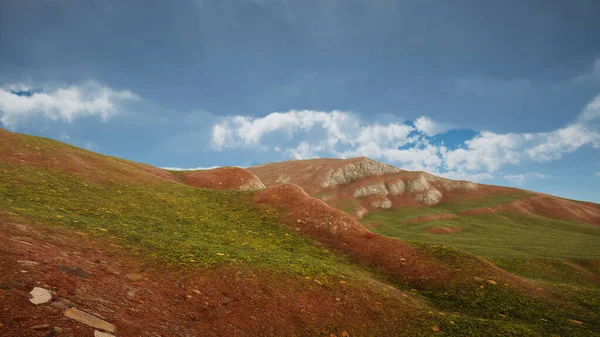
x,y
359,169
378,188
429,198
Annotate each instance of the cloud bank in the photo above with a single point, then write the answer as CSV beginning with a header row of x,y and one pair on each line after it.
x,y
301,134
20,103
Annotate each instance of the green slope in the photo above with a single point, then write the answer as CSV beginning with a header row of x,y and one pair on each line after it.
x,y
147,211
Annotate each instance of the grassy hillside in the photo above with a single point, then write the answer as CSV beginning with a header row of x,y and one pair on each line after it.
x,y
156,218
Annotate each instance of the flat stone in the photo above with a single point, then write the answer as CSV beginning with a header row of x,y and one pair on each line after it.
x,y
477,278
61,305
40,296
75,271
27,263
89,319
102,334
41,327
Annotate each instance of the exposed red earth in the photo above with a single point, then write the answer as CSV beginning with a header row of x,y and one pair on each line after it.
x,y
143,299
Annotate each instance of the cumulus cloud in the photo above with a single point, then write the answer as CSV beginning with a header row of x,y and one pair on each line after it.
x,y
308,134
519,179
20,103
429,127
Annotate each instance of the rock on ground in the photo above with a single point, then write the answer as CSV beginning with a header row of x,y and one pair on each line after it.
x,y
40,296
89,319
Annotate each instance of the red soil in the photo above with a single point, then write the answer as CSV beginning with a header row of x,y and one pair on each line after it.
x,y
342,232
548,206
222,178
337,229
444,230
178,302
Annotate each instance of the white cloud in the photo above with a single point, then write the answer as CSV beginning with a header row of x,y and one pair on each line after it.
x,y
59,104
598,174
519,179
309,134
430,127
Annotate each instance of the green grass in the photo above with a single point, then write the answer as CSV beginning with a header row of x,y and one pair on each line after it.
x,y
502,235
171,222
179,225
561,256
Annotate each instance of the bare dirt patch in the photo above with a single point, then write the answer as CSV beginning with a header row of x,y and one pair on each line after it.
x,y
223,178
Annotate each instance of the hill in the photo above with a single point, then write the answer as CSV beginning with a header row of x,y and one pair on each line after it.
x,y
156,252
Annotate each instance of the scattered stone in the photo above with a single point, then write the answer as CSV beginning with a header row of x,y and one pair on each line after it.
x,y
40,296
58,329
502,315
61,305
89,319
253,318
134,276
576,322
41,327
492,282
17,285
50,333
102,334
318,282
27,263
131,293
345,334
478,279
225,301
435,328
75,271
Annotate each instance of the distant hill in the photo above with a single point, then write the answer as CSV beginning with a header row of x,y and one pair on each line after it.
x,y
262,252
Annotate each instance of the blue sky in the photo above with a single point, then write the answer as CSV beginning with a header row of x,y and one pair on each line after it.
x,y
502,92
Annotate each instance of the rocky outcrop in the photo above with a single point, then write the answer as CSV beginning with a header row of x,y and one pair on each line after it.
x,y
361,168
418,185
429,198
448,184
397,187
373,189
381,202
